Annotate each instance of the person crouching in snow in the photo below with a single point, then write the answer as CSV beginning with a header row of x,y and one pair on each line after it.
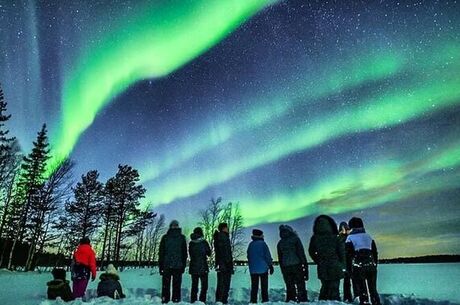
x,y
293,263
59,286
362,258
328,252
110,286
260,263
83,267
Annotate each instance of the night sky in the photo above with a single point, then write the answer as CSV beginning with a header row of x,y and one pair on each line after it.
x,y
291,108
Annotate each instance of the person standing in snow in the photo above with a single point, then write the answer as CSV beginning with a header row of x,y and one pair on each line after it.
x,y
362,259
260,263
293,263
223,262
110,286
199,251
83,267
344,231
172,262
328,252
59,286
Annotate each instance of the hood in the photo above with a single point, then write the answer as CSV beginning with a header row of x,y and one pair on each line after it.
x,y
174,231
109,276
196,238
255,238
56,284
325,225
286,231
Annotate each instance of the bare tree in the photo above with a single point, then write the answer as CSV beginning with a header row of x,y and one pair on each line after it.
x,y
215,213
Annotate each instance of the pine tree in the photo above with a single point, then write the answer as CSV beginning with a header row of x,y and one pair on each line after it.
x,y
27,193
84,211
125,193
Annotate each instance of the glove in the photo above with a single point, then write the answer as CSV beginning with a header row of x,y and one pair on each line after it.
x,y
272,270
162,272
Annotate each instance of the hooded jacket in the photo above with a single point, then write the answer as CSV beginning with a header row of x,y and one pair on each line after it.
x,y
109,286
326,249
223,251
361,249
290,249
199,251
59,288
86,257
173,250
259,257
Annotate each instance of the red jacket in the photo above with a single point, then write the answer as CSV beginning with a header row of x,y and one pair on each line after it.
x,y
85,255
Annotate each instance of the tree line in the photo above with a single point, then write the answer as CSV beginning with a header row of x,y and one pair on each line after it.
x,y
43,210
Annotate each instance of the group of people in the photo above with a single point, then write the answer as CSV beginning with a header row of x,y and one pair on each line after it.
x,y
83,268
347,253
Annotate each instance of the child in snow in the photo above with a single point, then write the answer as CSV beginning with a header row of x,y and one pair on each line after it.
x,y
362,258
293,263
83,266
260,263
328,252
199,251
59,286
110,286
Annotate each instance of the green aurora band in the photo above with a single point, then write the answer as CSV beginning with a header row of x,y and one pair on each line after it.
x,y
431,84
160,40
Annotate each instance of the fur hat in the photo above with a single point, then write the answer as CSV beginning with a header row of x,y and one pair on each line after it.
x,y
355,223
174,224
111,269
257,233
58,273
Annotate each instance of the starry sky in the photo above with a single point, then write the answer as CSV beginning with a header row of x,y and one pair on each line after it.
x,y
291,108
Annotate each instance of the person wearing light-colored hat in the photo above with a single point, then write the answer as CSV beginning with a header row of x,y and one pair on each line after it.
x,y
110,286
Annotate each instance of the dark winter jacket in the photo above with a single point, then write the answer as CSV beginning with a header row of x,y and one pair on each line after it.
x,y
259,256
59,288
199,250
109,286
290,248
173,250
361,249
326,249
223,250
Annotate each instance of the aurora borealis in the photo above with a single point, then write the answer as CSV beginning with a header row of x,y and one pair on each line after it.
x,y
291,108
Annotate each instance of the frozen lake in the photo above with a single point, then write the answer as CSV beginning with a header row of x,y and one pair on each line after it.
x,y
436,282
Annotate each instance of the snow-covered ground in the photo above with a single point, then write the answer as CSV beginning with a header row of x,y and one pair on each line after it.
x,y
406,284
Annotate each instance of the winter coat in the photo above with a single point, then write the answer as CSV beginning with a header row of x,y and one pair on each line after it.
x,y
290,249
110,286
173,250
84,257
326,249
199,251
223,250
59,288
361,250
259,257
